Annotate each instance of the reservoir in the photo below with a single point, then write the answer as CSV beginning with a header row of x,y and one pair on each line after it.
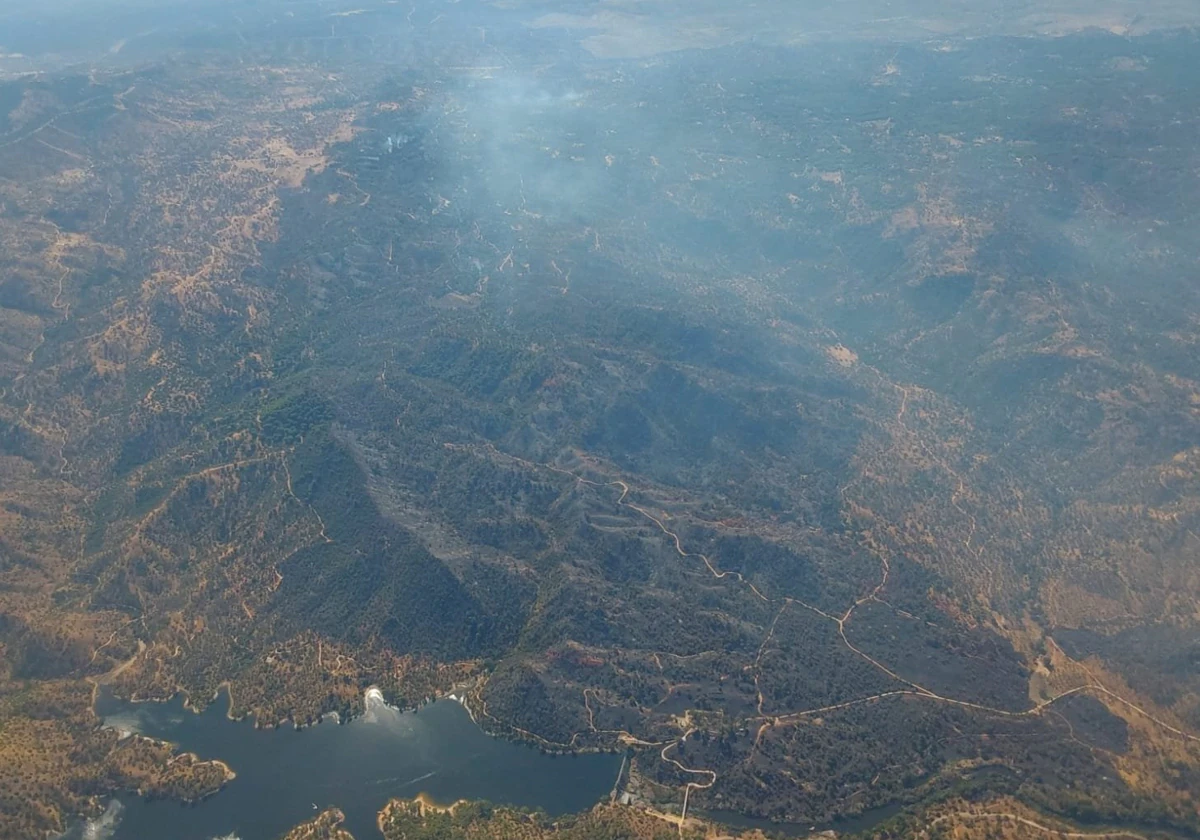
x,y
283,773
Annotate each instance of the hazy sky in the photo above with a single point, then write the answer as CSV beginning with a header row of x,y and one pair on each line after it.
x,y
607,28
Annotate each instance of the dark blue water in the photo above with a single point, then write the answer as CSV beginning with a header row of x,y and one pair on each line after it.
x,y
282,773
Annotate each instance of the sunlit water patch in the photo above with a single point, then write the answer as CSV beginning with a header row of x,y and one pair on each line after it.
x,y
286,776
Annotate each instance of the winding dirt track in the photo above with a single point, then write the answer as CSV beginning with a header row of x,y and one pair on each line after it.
x,y
769,721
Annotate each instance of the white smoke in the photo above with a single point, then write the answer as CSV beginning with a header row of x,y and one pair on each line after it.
x,y
377,710
125,724
103,826
395,141
531,144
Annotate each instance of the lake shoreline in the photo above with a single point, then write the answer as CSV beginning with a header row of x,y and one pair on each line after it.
x,y
438,753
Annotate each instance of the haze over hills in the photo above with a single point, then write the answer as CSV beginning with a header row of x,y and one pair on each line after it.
x,y
800,397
